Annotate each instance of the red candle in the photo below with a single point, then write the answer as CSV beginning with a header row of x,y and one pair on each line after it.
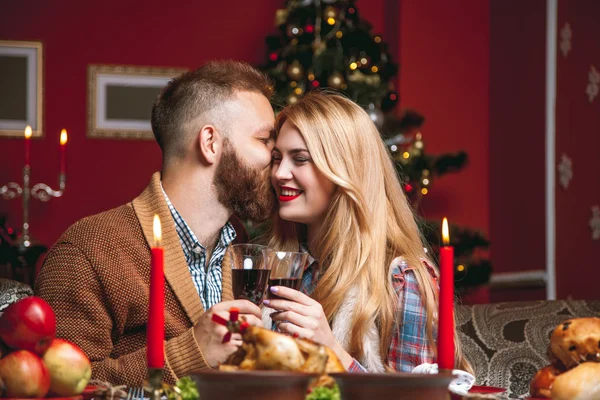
x,y
28,134
63,146
156,315
445,344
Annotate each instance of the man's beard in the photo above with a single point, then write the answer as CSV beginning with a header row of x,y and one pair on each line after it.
x,y
246,190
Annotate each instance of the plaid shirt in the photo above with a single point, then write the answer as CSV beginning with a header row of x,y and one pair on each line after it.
x,y
410,346
208,281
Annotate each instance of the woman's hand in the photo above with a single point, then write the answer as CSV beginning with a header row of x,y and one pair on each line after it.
x,y
299,315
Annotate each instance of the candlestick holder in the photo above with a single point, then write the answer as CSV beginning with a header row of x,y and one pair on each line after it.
x,y
40,191
156,389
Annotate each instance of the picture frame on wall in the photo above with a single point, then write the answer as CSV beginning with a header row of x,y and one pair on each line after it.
x,y
120,99
21,88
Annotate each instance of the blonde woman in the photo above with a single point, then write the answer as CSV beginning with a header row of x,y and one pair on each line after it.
x,y
369,293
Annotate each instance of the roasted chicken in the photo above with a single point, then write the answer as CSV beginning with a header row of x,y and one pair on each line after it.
x,y
263,349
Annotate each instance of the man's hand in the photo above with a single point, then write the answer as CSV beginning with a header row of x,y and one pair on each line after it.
x,y
209,335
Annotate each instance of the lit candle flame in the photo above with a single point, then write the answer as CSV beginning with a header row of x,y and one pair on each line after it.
x,y
157,231
63,137
28,132
445,232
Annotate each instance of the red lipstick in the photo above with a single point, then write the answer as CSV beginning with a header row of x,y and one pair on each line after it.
x,y
285,198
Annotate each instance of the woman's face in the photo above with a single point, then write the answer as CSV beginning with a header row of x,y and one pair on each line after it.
x,y
304,192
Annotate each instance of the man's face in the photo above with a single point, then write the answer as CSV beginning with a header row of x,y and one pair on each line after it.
x,y
242,177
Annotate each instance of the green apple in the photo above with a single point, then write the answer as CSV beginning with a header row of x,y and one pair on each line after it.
x,y
70,369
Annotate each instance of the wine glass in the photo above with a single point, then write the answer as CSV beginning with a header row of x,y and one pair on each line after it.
x,y
286,268
249,271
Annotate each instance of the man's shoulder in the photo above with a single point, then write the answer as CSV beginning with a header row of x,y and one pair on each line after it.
x,y
108,225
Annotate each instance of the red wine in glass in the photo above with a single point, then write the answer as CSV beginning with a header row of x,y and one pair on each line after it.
x,y
293,283
249,284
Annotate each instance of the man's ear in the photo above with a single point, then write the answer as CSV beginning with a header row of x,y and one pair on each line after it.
x,y
211,143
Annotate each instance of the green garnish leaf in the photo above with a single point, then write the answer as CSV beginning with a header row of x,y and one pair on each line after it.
x,y
324,393
188,388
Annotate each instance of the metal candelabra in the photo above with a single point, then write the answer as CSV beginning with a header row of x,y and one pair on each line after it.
x,y
40,191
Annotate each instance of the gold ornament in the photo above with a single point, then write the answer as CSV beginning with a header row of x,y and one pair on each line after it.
x,y
403,157
281,16
330,12
336,80
295,71
292,98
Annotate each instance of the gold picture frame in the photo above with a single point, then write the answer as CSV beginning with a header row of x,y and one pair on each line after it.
x,y
21,88
120,99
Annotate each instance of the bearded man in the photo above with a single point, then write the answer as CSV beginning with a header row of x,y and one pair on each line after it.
x,y
214,126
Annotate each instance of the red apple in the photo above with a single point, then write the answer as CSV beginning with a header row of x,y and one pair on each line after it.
x,y
70,369
29,324
23,374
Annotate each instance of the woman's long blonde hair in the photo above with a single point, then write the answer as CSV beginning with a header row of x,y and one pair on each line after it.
x,y
369,221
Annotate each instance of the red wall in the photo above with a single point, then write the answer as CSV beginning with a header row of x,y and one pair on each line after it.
x,y
444,62
577,136
517,135
517,142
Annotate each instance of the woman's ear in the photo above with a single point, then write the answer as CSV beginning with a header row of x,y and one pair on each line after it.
x,y
211,143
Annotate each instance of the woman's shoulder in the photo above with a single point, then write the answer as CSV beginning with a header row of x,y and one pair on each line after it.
x,y
400,267
403,274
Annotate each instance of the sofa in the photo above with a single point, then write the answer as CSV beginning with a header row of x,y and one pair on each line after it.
x,y
507,343
11,292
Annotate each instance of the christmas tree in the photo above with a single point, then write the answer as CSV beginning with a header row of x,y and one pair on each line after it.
x,y
325,43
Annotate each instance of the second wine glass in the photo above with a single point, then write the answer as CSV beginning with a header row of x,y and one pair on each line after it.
x,y
287,268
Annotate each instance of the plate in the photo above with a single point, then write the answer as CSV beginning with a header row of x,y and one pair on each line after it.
x,y
393,386
253,385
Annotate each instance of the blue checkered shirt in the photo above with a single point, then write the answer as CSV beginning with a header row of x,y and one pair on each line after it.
x,y
208,281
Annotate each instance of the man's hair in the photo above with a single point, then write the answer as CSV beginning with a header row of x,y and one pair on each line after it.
x,y
176,111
